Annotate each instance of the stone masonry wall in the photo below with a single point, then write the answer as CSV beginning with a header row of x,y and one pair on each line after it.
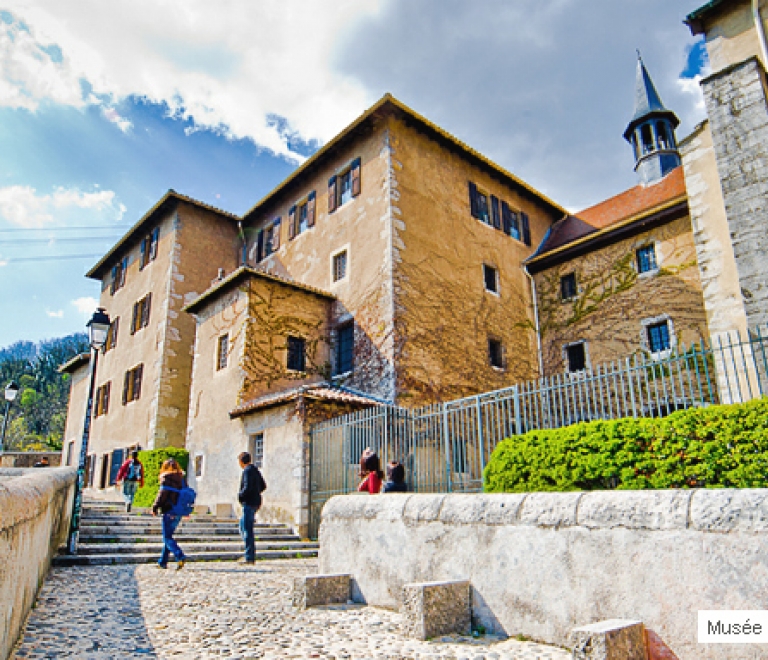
x,y
543,563
736,105
35,508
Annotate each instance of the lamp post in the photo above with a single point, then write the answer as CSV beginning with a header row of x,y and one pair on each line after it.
x,y
98,328
11,392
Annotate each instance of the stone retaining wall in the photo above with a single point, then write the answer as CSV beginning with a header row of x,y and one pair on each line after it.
x,y
35,509
541,564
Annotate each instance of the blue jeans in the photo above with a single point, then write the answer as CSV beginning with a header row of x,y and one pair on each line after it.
x,y
170,523
129,490
246,531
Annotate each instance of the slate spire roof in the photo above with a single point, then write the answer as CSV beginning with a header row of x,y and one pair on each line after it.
x,y
647,100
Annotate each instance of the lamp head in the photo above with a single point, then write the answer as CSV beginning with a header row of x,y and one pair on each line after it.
x,y
11,391
98,327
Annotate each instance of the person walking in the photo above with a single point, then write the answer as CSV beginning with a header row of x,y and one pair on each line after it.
x,y
252,485
172,476
131,475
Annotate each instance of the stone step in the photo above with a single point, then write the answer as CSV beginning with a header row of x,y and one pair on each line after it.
x,y
141,558
131,517
193,548
207,538
141,530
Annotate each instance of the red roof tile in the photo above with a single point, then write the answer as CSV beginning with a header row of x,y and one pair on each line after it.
x,y
320,391
635,201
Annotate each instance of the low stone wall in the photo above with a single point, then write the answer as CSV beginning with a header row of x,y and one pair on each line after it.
x,y
35,509
24,459
541,564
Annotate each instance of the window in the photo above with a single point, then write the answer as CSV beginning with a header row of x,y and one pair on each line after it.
x,y
301,216
111,341
132,384
659,339
140,317
345,345
576,357
70,453
118,275
256,449
344,185
101,399
339,266
491,278
149,248
646,259
296,354
268,240
568,286
199,465
497,213
647,138
222,351
114,466
495,353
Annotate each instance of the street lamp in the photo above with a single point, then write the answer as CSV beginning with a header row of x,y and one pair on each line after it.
x,y
98,328
11,392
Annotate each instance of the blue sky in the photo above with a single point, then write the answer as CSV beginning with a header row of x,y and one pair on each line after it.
x,y
105,106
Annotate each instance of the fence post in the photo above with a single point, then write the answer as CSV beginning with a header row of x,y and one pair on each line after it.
x,y
516,400
447,442
481,436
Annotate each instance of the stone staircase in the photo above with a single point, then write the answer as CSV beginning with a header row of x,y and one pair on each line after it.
x,y
108,535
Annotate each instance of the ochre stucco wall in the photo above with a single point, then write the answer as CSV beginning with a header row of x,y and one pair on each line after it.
x,y
731,36
444,316
613,299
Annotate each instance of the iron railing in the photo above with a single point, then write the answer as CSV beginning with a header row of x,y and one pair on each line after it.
x,y
445,447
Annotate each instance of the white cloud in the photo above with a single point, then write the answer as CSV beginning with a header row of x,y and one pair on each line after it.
x,y
114,117
228,66
86,305
55,315
24,207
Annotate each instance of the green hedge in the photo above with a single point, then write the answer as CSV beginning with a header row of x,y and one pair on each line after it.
x,y
152,461
715,447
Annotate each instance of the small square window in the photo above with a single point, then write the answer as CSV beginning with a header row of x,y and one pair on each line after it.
x,y
345,349
646,259
568,286
576,355
659,337
495,353
339,266
296,354
199,465
222,352
491,278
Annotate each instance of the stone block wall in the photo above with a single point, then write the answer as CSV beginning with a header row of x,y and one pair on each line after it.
x,y
736,104
35,510
541,564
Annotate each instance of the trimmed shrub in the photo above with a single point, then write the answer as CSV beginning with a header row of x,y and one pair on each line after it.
x,y
152,461
715,447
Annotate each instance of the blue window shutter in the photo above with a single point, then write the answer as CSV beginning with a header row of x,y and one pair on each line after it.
x,y
260,246
506,219
332,201
526,228
495,219
473,200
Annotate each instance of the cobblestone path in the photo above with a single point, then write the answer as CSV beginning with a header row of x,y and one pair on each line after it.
x,y
224,610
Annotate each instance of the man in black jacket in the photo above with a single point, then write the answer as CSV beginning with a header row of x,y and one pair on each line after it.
x,y
252,485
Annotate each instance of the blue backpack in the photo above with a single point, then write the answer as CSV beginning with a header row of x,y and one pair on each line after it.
x,y
185,504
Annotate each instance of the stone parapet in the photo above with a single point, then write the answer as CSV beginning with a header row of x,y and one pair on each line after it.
x,y
35,510
541,564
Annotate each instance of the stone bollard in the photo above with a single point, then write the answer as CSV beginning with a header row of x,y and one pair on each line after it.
x,y
431,609
614,639
313,590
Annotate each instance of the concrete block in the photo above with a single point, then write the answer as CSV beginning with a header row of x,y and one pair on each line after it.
x,y
614,639
431,609
224,510
314,590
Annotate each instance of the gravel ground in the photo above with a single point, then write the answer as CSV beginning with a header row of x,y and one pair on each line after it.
x,y
225,610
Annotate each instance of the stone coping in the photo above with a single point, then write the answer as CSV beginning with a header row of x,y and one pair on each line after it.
x,y
704,510
25,493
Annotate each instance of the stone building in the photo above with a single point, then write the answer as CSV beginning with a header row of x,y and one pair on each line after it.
x,y
621,277
726,165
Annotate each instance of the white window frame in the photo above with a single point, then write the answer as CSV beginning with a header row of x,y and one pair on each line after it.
x,y
582,373
503,366
645,323
497,292
201,456
653,271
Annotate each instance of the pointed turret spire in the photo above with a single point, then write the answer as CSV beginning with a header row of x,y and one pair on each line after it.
x,y
651,131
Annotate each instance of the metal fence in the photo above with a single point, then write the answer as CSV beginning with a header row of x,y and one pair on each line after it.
x,y
445,447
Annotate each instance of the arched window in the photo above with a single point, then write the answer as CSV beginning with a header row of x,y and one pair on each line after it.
x,y
662,135
647,138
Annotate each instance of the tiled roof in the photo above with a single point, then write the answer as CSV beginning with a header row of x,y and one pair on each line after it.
x,y
635,201
318,392
80,360
564,231
695,20
242,273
